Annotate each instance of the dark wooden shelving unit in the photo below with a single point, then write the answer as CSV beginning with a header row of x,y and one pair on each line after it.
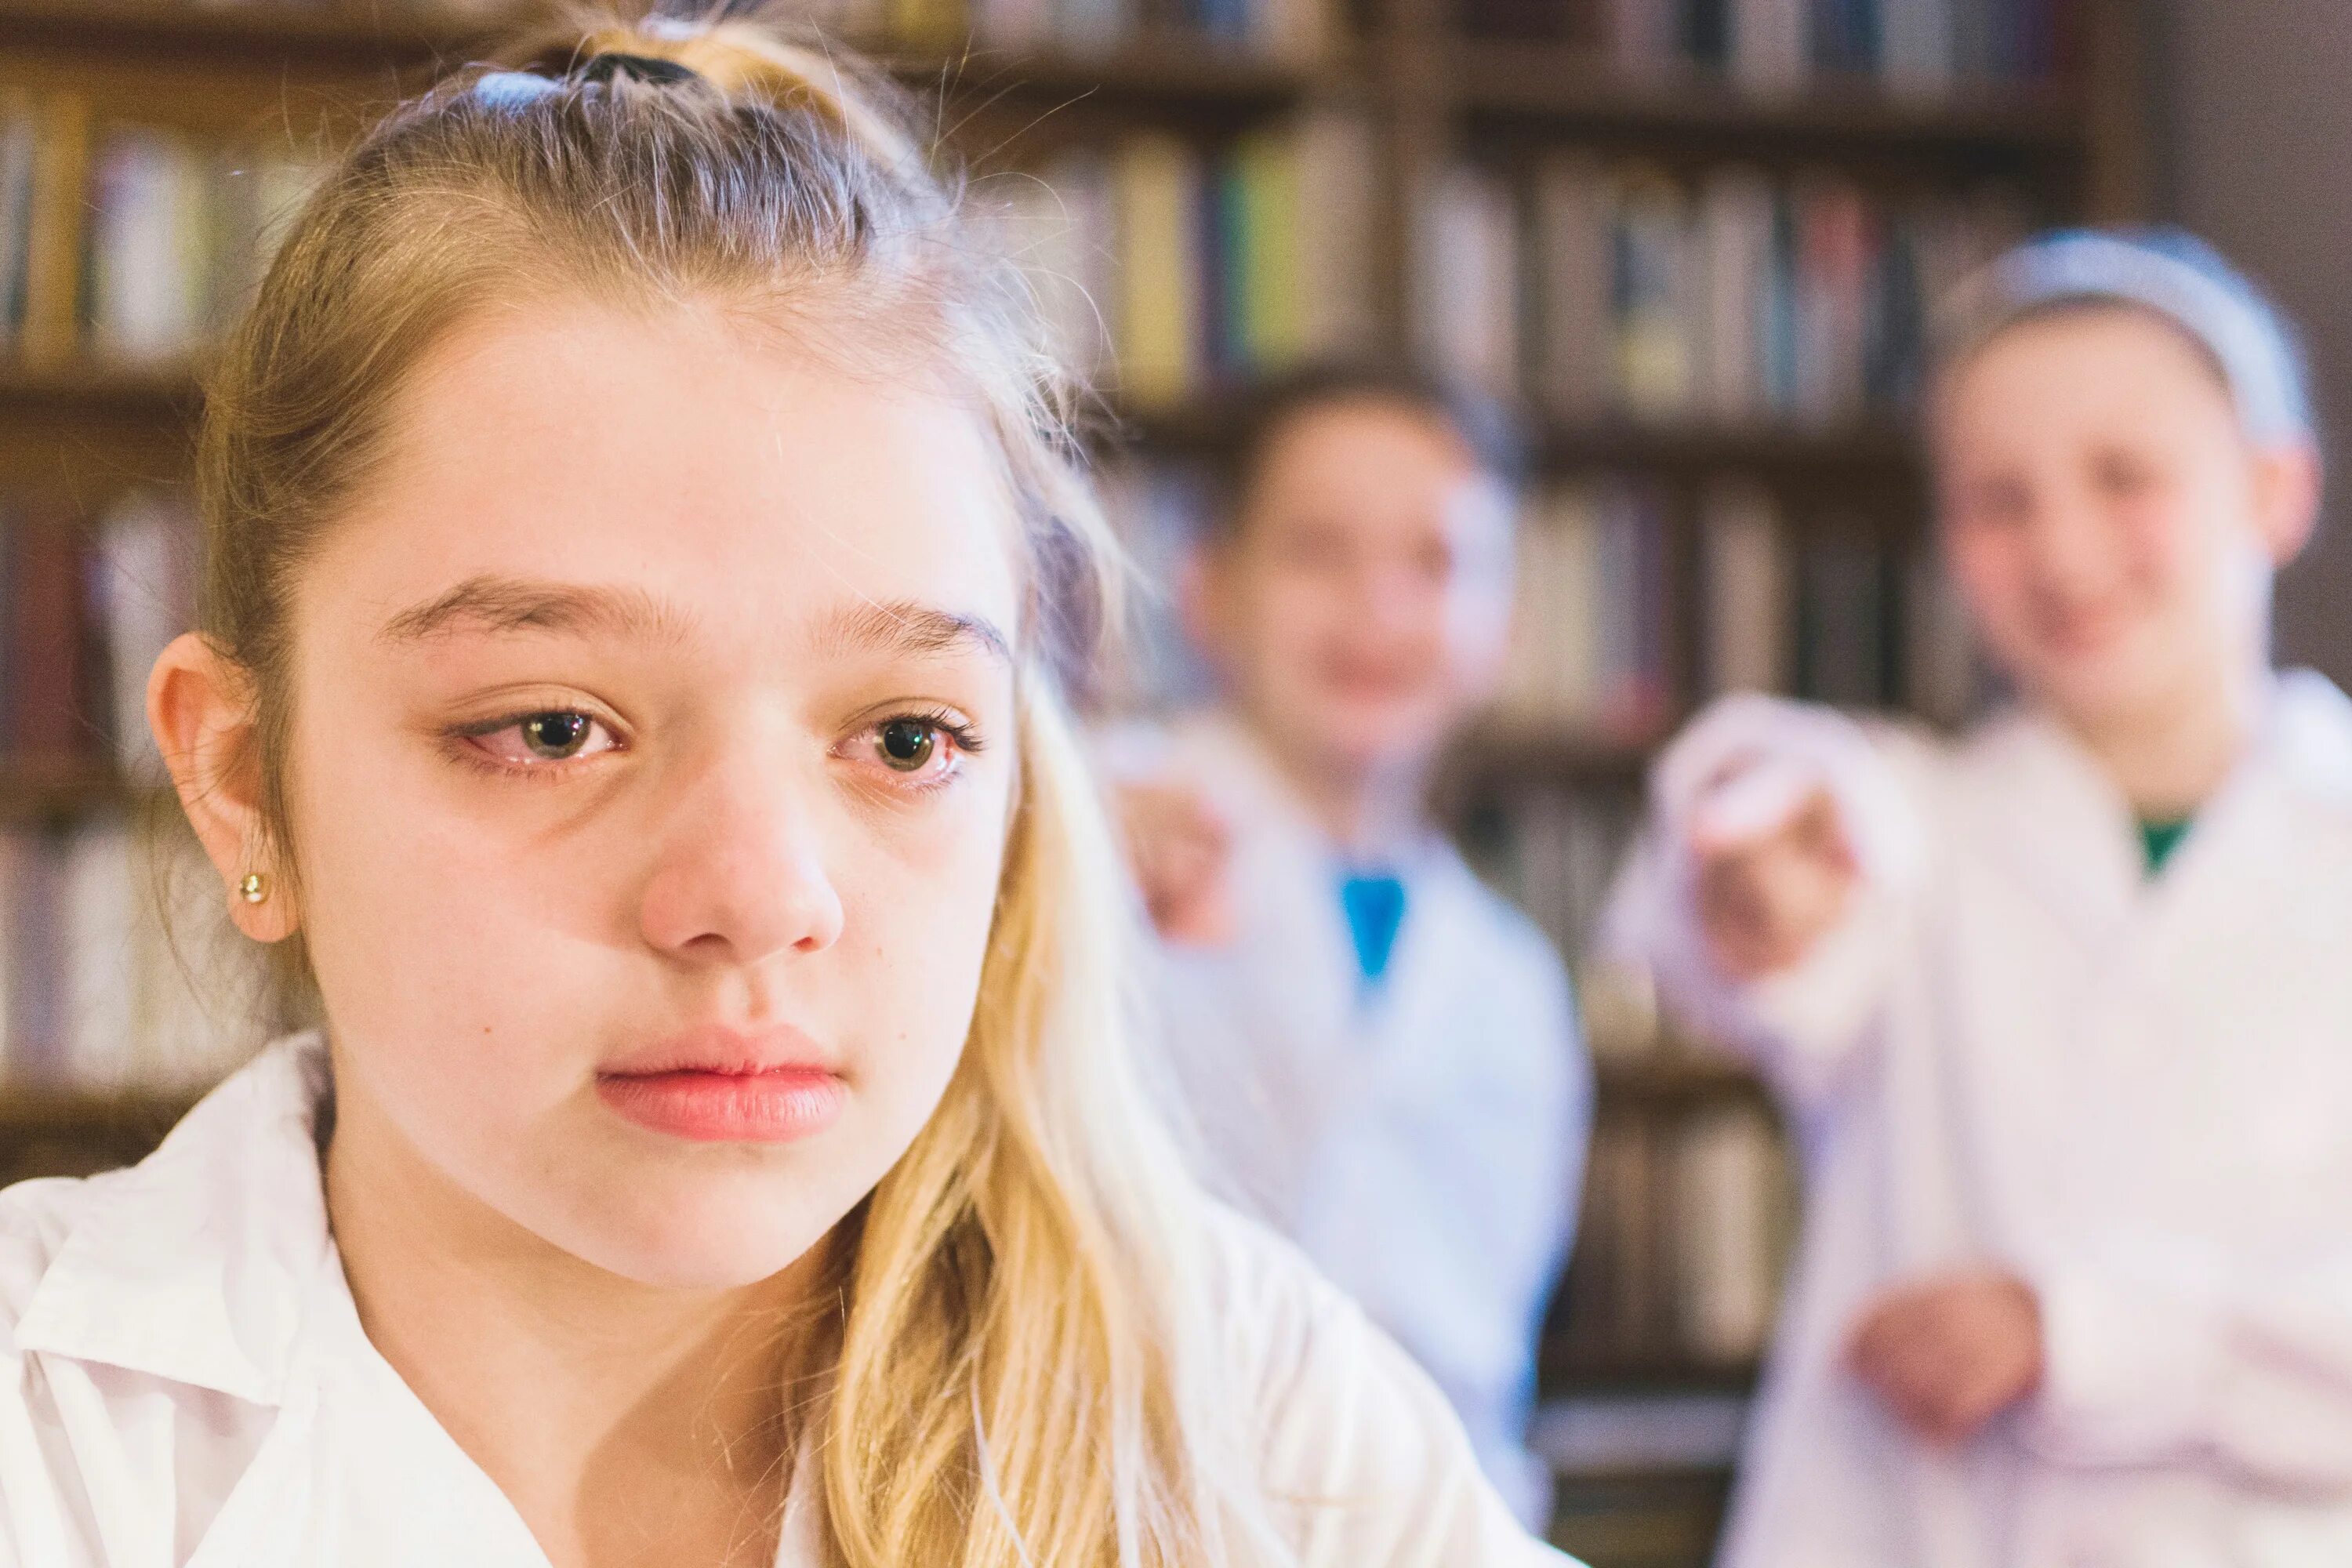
x,y
1572,89
1427,91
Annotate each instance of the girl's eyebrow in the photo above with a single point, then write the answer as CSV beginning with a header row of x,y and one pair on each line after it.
x,y
906,627
498,603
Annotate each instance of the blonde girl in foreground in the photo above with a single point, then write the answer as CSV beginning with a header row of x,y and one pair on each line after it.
x,y
641,563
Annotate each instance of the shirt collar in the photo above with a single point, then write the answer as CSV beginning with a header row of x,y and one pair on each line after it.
x,y
2301,738
1238,761
2310,733
197,1264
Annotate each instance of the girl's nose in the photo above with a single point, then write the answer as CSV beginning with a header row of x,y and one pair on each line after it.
x,y
2069,542
741,874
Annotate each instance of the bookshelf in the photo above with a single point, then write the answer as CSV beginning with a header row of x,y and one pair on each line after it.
x,y
1425,94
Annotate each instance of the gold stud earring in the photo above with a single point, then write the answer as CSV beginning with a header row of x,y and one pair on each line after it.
x,y
254,888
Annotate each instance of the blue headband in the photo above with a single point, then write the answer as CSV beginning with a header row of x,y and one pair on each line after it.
x,y
2173,273
513,89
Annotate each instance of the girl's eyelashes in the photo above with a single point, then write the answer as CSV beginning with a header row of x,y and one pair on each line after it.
x,y
924,749
916,750
537,741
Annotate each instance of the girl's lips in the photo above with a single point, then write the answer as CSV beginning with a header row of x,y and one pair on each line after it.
x,y
775,1105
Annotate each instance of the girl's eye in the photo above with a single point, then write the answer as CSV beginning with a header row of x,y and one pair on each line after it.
x,y
926,749
539,740
908,745
555,736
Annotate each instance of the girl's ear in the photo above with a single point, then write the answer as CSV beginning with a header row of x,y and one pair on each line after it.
x,y
2287,481
200,706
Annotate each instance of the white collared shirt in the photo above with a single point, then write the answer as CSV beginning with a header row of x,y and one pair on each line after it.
x,y
185,1382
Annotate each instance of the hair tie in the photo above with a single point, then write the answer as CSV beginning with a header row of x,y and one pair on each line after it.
x,y
511,89
651,68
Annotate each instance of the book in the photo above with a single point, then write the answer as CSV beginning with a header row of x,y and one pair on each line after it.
x,y
1652,292
20,143
1160,511
50,329
120,972
1158,192
1468,248
1944,677
146,269
1744,589
48,721
1589,634
1735,263
1338,197
140,575
1731,1194
1568,265
1844,652
1167,269
1774,47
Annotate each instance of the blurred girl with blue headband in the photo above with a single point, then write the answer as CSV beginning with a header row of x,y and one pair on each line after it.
x,y
2059,1010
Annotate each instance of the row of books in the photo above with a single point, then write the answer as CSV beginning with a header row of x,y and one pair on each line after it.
x,y
1590,651
1627,293
1555,853
1187,267
1293,30
130,244
1832,608
1686,1235
1160,509
85,608
1924,47
119,969
1837,610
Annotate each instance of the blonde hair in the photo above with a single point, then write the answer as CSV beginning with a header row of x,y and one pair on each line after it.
x,y
1021,1374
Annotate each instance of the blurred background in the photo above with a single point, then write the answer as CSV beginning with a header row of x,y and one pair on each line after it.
x,y
1694,239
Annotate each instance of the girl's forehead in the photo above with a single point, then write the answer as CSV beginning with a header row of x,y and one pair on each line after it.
x,y
690,459
2118,370
2097,349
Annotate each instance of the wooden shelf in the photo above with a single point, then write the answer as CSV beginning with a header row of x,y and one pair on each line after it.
x,y
159,394
26,1111
51,791
1207,425
1147,70
1573,89
1872,450
1564,1368
1502,757
1875,449
1671,1079
337,34
1164,66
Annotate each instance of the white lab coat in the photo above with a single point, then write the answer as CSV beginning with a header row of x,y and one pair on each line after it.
x,y
184,1382
1422,1139
2137,1094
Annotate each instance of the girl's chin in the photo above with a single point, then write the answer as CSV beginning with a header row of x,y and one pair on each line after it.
x,y
690,1239
2096,692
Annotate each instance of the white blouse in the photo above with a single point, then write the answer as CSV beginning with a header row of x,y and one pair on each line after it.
x,y
183,1381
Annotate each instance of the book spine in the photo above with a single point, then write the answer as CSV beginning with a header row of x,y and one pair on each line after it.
x,y
47,641
1161,309
51,329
